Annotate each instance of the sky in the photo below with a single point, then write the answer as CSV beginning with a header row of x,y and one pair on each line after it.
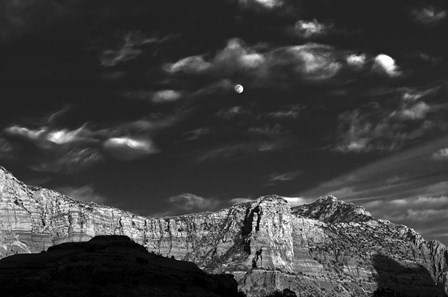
x,y
133,104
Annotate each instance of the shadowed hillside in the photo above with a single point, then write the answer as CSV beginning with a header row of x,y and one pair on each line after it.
x,y
107,266
403,279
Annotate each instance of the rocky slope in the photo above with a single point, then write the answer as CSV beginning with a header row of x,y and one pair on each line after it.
x,y
326,248
112,266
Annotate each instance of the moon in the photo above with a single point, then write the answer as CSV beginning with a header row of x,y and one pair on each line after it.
x,y
238,88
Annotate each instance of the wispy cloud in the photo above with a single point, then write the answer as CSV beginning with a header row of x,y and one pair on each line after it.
x,y
389,127
70,160
128,148
429,15
83,193
6,149
190,202
276,178
259,65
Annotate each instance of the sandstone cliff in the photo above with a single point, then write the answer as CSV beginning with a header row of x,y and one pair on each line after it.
x,y
326,248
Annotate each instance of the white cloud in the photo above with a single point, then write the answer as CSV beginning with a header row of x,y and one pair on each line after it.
x,y
314,61
191,202
66,136
441,154
415,111
127,148
296,201
267,4
189,65
45,136
343,192
308,29
386,64
25,132
357,61
166,96
261,66
83,193
240,200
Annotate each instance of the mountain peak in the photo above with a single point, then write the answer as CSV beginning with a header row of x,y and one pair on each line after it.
x,y
331,210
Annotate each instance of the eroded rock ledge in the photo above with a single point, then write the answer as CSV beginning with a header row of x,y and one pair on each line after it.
x,y
326,248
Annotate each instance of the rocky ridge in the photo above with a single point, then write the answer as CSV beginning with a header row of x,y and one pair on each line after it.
x,y
326,248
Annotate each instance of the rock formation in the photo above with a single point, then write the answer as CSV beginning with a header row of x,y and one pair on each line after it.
x,y
326,248
107,266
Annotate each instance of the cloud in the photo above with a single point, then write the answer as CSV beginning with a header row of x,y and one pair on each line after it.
x,y
343,193
69,161
415,111
276,178
189,65
65,136
429,16
309,29
260,66
25,132
266,4
240,200
441,154
386,64
288,112
424,213
356,61
83,193
296,201
45,136
386,128
6,149
166,96
127,148
130,46
406,174
191,202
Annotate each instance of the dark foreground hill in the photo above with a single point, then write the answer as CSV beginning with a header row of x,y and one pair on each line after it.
x,y
107,266
326,248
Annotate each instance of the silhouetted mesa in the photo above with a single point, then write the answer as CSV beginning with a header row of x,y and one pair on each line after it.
x,y
325,248
107,266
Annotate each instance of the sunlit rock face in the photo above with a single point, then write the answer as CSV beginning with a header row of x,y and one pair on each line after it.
x,y
326,248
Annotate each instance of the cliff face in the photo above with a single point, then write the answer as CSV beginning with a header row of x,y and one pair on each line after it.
x,y
326,248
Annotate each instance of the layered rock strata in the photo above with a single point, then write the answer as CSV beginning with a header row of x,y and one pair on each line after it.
x,y
326,248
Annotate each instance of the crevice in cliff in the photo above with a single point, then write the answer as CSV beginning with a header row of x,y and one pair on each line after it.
x,y
256,257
